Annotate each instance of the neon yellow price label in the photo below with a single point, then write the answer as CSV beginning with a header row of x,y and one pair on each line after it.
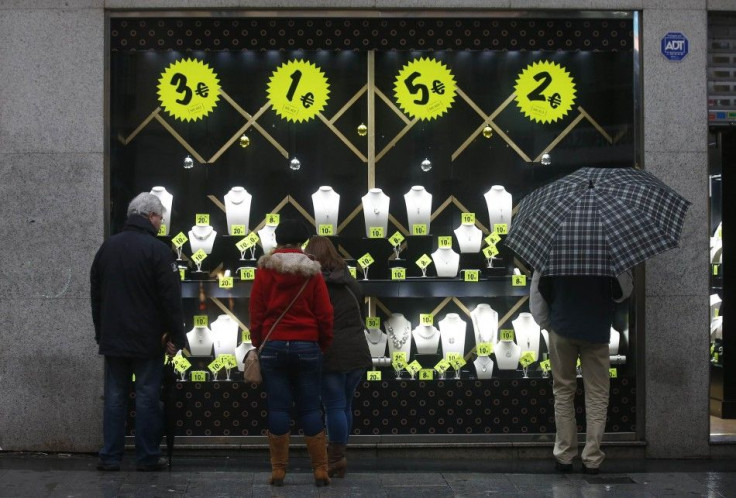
x,y
398,273
424,261
181,364
501,228
373,322
202,219
426,319
612,373
419,229
273,218
506,334
545,365
247,273
353,271
518,280
484,348
199,256
245,335
577,363
467,218
396,239
162,230
375,232
472,275
226,282
426,374
237,230
182,273
715,269
527,358
493,239
215,366
490,251
716,312
413,367
444,241
373,376
458,362
243,244
179,239
398,360
198,376
365,260
326,230
228,360
201,320
442,365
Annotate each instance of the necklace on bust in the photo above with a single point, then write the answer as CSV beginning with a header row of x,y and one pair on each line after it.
x,y
484,362
236,196
205,236
426,328
369,336
405,334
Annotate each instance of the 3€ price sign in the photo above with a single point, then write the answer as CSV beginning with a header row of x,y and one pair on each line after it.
x,y
545,92
298,90
188,89
425,88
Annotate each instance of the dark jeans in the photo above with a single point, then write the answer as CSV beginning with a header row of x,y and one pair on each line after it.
x,y
291,373
338,389
148,414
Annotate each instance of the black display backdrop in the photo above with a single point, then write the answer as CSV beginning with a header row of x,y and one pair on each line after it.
x,y
485,56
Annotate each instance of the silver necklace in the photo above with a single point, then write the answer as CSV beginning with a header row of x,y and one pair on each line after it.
x,y
369,336
485,362
398,343
202,237
425,328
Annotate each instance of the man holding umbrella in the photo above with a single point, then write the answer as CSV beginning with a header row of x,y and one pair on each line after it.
x,y
582,234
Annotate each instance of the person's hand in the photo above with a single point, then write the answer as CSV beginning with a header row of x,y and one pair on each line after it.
x,y
171,348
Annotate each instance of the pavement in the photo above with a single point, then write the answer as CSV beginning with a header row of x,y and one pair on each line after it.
x,y
245,473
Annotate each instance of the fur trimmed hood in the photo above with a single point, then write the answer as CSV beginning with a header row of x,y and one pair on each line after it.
x,y
292,262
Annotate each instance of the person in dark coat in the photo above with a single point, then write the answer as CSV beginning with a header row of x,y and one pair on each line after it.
x,y
136,309
346,361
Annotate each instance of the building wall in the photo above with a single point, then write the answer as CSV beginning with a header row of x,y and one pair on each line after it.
x,y
52,145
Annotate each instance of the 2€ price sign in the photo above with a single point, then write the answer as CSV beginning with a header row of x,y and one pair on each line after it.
x,y
188,89
545,92
298,90
425,88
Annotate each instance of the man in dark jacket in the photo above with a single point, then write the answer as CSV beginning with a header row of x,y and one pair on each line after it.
x,y
136,309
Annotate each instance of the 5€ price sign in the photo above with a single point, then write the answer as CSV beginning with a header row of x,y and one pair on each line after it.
x,y
188,89
425,88
413,367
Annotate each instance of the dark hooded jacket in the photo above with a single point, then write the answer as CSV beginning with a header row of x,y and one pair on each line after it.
x,y
136,293
349,350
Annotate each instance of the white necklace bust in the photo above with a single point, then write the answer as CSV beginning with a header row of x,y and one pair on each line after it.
x,y
375,210
237,208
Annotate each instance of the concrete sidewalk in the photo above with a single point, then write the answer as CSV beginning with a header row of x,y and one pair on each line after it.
x,y
225,474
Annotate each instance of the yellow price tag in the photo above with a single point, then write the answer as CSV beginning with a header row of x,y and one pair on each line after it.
x,y
375,232
243,244
396,239
414,367
226,283
424,261
398,360
426,374
484,348
373,322
458,362
518,280
179,239
201,320
245,335
188,89
467,218
493,239
273,218
453,357
715,269
202,219
199,256
501,228
247,273
444,241
398,273
182,273
577,363
545,91
506,334
716,312
181,364
353,271
425,88
490,251
298,90
442,365
228,360
237,230
527,358
215,366
545,365
419,229
162,230
326,230
198,376
472,275
373,376
426,319
366,260
612,373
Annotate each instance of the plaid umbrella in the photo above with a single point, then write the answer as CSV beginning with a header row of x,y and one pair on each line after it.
x,y
597,221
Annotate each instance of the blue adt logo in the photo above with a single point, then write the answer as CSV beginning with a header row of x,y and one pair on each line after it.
x,y
674,46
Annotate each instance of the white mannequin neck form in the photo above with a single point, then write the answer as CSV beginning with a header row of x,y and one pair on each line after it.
x,y
483,367
418,207
398,329
469,238
200,341
167,200
377,341
326,204
202,237
614,342
237,208
375,210
267,236
225,332
485,323
446,262
507,355
426,339
452,333
527,333
500,204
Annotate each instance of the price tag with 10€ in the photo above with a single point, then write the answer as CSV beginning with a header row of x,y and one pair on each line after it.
x,y
179,239
366,260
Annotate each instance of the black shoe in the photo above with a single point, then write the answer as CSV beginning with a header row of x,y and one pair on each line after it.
x,y
563,467
162,464
109,467
590,470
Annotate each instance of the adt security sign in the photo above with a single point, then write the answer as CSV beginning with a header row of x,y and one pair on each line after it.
x,y
674,46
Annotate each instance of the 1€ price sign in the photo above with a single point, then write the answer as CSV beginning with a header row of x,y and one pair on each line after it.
x,y
298,90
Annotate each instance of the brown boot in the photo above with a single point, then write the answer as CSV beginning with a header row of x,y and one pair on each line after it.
x,y
279,449
317,448
336,461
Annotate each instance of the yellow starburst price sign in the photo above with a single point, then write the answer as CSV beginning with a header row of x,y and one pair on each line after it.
x,y
298,90
425,88
545,92
188,89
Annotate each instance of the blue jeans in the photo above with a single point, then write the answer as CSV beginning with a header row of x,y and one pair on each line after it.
x,y
338,389
291,373
148,413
